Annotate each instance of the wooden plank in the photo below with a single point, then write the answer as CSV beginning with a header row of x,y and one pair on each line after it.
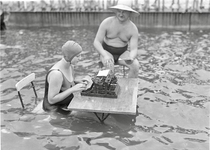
x,y
124,104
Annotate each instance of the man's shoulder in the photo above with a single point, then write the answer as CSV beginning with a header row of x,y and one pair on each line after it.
x,y
108,19
132,23
133,26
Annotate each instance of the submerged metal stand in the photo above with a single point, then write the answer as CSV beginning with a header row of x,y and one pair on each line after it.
x,y
103,118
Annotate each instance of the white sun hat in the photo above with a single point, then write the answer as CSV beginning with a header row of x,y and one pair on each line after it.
x,y
124,5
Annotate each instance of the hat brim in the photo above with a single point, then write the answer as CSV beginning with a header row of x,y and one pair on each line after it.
x,y
123,7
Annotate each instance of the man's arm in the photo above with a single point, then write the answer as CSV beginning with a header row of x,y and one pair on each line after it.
x,y
100,37
134,43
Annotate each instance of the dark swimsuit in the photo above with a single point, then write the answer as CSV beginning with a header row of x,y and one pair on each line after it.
x,y
58,106
115,51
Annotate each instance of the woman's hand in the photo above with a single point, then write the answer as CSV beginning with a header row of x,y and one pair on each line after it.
x,y
87,81
79,87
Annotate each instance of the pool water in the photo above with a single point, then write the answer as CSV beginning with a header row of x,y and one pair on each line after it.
x,y
173,94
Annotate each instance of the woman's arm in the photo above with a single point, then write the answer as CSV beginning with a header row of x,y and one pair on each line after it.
x,y
55,80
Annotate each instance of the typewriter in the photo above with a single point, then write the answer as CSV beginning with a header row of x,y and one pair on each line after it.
x,y
104,85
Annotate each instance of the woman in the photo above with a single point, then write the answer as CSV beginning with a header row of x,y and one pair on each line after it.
x,y
59,83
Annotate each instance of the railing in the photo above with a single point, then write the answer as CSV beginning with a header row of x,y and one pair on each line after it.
x,y
175,20
186,14
103,5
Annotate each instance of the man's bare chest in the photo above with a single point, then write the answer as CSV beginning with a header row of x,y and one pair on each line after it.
x,y
118,33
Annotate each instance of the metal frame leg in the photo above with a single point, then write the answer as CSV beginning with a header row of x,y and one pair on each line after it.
x,y
34,89
103,118
21,100
34,92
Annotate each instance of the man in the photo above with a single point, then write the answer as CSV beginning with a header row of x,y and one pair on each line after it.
x,y
113,37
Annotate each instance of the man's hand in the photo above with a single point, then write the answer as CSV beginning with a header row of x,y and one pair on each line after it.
x,y
129,61
108,61
126,56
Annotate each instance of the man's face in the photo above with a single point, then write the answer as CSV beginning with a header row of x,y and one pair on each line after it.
x,y
123,15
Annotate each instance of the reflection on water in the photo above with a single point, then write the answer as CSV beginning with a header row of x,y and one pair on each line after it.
x,y
173,95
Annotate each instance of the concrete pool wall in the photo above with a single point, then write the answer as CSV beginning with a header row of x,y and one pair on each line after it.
x,y
187,20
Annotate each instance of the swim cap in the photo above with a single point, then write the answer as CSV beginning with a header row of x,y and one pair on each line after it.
x,y
71,49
